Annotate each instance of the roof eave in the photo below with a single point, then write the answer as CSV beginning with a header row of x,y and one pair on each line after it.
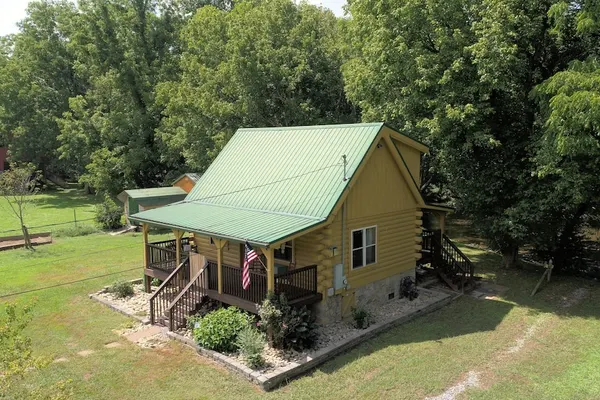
x,y
199,232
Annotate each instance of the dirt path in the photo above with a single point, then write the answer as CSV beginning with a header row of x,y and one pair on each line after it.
x,y
542,324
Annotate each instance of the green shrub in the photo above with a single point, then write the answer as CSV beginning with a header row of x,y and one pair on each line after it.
x,y
362,317
251,344
218,330
73,231
286,326
155,282
121,289
109,213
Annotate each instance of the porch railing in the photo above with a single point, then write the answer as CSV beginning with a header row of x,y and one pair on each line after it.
x,y
295,284
162,255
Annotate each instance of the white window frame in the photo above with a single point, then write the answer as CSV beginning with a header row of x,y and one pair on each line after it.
x,y
363,246
281,260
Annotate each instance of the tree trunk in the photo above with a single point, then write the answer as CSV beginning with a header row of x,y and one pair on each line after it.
x,y
26,237
510,256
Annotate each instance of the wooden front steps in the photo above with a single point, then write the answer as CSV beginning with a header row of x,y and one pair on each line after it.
x,y
450,264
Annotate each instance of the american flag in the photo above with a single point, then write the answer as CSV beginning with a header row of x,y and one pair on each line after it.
x,y
249,257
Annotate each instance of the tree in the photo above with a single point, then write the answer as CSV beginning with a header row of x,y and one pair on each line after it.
x,y
16,356
123,49
271,63
17,187
459,76
37,77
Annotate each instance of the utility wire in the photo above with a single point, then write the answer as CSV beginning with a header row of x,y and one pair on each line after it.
x,y
44,226
268,183
66,283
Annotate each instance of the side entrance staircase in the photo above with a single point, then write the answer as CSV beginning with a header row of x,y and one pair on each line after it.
x,y
447,261
179,296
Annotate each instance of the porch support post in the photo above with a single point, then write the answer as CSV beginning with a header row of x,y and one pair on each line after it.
x,y
145,229
178,235
270,256
442,219
220,244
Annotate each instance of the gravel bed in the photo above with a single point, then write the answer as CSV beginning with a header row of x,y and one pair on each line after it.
x,y
337,332
138,304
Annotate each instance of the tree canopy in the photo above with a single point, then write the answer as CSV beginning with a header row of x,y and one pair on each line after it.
x,y
129,93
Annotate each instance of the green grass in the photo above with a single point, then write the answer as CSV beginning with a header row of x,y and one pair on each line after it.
x,y
51,207
421,358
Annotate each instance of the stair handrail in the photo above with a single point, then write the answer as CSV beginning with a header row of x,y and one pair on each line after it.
x,y
455,247
183,292
163,286
466,259
466,273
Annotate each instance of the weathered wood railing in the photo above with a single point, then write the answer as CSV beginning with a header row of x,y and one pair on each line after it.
x,y
187,300
457,261
297,283
232,284
448,259
294,284
168,290
162,255
427,240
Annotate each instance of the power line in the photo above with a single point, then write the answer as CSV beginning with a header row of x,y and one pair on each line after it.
x,y
86,253
44,226
66,283
268,183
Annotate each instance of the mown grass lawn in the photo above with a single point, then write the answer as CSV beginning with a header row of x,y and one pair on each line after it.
x,y
50,207
559,360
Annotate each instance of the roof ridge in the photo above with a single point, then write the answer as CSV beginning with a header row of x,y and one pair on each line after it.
x,y
320,127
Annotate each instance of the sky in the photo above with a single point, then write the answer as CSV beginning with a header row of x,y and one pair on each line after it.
x,y
12,11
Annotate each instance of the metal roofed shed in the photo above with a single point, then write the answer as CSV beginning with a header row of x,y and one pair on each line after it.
x,y
269,183
136,200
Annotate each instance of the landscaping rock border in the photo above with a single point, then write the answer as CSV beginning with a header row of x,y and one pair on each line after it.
x,y
280,375
95,297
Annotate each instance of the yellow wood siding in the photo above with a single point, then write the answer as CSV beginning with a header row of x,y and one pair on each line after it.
x,y
381,197
231,251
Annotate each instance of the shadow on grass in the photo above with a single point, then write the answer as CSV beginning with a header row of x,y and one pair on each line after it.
x,y
462,317
66,198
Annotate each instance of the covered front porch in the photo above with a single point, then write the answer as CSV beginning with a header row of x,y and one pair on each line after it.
x,y
188,275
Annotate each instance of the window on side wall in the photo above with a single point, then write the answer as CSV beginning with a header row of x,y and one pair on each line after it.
x,y
364,247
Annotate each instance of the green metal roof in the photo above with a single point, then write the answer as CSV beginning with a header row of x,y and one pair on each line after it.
x,y
269,183
155,192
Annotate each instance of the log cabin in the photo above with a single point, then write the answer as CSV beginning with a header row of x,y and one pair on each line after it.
x,y
334,211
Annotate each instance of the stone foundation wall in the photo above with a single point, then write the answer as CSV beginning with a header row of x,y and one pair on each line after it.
x,y
378,291
330,309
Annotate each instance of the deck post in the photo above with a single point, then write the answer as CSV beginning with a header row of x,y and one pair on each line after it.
x,y
147,283
220,244
178,235
442,220
270,256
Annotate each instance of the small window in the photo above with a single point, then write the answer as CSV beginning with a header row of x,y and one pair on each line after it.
x,y
364,247
285,252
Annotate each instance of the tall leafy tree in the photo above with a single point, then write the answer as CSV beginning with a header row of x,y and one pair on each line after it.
x,y
37,77
124,49
459,75
569,147
268,63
